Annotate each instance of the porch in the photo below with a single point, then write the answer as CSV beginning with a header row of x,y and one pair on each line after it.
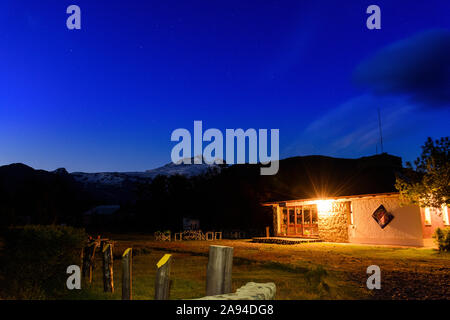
x,y
285,240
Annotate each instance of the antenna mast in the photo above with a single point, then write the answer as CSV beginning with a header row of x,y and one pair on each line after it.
x,y
381,133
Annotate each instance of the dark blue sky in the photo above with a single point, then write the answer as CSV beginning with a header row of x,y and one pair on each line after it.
x,y
108,96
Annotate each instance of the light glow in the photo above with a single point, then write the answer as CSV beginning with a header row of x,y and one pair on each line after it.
x,y
324,206
445,214
427,216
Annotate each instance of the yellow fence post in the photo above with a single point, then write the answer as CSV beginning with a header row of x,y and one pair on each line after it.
x,y
162,280
127,274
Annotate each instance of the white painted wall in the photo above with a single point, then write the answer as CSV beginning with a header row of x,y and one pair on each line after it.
x,y
404,229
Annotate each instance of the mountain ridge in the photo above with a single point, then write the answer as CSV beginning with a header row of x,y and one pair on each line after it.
x,y
169,169
49,196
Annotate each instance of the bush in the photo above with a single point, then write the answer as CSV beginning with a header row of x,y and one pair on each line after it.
x,y
35,260
442,239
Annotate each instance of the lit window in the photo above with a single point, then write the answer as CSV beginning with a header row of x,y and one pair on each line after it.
x,y
284,216
445,214
314,214
351,213
382,216
427,215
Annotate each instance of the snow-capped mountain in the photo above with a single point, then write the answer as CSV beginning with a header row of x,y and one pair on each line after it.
x,y
189,169
120,178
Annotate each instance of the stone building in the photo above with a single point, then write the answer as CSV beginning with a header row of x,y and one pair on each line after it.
x,y
367,219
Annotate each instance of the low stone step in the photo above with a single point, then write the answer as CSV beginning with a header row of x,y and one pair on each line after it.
x,y
281,240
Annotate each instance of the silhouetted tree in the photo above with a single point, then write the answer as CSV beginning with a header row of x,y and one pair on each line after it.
x,y
428,183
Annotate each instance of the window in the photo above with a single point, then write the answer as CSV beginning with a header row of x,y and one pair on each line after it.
x,y
291,216
382,216
314,214
427,216
299,215
307,215
351,214
445,214
300,220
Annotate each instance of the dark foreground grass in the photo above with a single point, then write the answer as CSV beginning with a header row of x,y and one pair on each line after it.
x,y
307,271
189,279
407,273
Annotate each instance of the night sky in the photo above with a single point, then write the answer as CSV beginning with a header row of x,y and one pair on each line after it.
x,y
107,97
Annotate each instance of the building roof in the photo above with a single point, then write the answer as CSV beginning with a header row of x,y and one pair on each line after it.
x,y
351,197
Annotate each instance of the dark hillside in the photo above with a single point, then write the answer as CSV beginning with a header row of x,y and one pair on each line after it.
x,y
38,196
226,200
319,176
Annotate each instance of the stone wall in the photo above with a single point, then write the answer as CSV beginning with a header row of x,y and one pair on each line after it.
x,y
333,225
250,291
275,220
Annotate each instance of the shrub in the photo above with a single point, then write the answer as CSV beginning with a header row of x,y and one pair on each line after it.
x,y
442,239
36,257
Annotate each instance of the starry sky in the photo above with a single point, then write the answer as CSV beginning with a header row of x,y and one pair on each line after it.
x,y
107,97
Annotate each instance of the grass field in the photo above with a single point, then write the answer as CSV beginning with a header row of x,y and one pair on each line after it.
x,y
407,273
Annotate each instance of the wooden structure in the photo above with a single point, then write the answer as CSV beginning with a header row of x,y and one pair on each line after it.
x,y
236,234
178,236
300,221
198,235
193,235
108,274
88,258
218,274
127,279
162,236
162,280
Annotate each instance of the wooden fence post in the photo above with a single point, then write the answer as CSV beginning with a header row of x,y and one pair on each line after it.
x,y
108,276
218,274
88,260
126,274
162,280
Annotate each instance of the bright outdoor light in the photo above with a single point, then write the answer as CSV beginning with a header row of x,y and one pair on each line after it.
x,y
324,206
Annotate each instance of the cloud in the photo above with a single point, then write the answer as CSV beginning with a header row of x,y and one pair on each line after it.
x,y
351,129
417,67
409,81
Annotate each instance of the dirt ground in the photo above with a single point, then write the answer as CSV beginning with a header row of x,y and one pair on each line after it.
x,y
406,273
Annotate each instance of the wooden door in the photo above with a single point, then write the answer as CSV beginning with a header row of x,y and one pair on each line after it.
x,y
291,221
300,221
310,221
